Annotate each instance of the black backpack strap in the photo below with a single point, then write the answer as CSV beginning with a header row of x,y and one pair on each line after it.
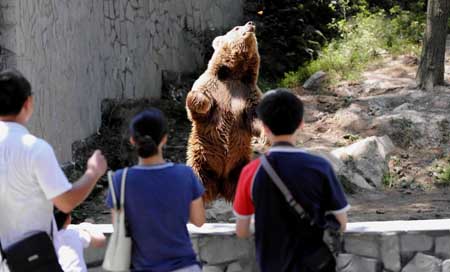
x,y
282,187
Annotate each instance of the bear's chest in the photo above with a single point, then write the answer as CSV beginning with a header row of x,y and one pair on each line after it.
x,y
237,105
232,97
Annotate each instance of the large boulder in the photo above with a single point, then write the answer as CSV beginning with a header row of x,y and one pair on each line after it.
x,y
354,263
315,81
365,161
422,262
411,118
412,128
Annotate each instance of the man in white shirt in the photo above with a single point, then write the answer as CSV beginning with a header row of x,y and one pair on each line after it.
x,y
31,180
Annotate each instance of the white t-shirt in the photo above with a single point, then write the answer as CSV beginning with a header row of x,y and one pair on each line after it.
x,y
30,177
69,246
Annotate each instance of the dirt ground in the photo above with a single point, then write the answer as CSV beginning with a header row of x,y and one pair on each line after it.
x,y
411,193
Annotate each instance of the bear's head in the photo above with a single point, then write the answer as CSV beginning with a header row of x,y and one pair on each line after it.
x,y
236,54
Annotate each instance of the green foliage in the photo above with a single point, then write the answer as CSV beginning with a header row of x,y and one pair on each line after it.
x,y
292,32
363,38
388,179
444,176
448,26
442,172
351,137
266,85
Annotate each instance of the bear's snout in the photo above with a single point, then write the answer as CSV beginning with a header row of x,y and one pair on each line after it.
x,y
250,27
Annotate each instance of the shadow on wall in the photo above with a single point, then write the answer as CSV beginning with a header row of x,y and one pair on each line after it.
x,y
7,58
78,53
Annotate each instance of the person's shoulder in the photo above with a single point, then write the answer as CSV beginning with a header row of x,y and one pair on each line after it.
x,y
118,173
185,170
37,145
321,164
182,168
316,159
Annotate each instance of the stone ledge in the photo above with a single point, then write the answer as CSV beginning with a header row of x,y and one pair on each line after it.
x,y
399,226
356,227
389,246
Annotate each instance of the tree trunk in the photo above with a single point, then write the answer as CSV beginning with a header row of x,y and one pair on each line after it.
x,y
431,67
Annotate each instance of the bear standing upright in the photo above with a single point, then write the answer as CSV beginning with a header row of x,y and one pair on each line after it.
x,y
221,106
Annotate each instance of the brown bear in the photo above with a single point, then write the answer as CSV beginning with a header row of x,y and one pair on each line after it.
x,y
221,106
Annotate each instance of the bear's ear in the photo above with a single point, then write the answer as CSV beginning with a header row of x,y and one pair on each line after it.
x,y
218,41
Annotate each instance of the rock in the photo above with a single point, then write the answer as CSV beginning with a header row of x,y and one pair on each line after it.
x,y
212,268
354,118
416,242
353,263
422,262
402,107
350,180
442,247
215,250
234,267
446,266
362,245
390,252
194,241
413,128
315,81
367,158
220,211
347,176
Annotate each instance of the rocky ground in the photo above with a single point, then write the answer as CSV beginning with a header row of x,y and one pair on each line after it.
x,y
385,102
396,177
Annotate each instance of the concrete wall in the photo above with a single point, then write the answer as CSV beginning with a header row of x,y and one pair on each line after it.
x,y
77,53
390,246
7,33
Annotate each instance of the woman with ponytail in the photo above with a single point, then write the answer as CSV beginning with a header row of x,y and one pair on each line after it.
x,y
160,199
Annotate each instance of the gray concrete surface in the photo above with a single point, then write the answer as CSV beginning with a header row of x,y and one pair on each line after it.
x,y
77,53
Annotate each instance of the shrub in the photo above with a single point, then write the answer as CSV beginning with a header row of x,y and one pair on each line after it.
x,y
363,38
444,176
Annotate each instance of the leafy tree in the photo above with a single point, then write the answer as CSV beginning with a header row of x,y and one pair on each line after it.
x,y
290,32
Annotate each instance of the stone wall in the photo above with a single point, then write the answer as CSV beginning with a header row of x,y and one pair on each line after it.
x,y
216,245
390,246
77,53
406,246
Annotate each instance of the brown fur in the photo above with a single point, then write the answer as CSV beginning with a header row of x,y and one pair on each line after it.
x,y
221,106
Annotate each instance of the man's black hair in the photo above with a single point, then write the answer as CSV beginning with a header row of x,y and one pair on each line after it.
x,y
281,111
14,91
60,218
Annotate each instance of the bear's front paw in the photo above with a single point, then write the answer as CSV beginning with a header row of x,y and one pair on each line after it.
x,y
198,102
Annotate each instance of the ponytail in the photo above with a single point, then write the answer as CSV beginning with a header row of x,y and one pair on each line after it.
x,y
148,129
146,146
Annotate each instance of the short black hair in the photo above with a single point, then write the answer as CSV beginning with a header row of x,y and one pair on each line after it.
x,y
148,129
60,218
281,111
14,91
